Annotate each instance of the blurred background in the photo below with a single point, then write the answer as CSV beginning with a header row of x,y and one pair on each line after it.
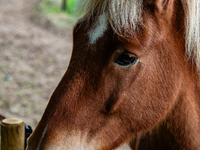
x,y
35,49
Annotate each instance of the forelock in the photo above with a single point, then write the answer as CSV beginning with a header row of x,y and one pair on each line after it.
x,y
123,15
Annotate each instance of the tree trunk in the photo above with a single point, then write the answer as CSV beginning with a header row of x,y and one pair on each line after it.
x,y
64,5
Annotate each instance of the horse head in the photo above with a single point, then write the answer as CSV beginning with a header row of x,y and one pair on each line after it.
x,y
132,81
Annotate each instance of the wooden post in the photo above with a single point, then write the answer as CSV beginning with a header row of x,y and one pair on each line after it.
x,y
12,134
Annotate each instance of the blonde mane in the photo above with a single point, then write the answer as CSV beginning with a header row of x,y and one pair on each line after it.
x,y
127,14
192,33
121,13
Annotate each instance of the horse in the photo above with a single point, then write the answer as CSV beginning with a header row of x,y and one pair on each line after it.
x,y
132,81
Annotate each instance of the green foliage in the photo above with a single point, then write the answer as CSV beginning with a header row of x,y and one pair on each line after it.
x,y
54,6
58,17
71,5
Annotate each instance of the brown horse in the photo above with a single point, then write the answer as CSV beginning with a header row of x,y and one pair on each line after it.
x,y
132,82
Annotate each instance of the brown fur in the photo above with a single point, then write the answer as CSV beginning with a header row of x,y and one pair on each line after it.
x,y
153,104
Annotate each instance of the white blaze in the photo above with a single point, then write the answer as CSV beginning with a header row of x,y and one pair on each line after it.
x,y
98,28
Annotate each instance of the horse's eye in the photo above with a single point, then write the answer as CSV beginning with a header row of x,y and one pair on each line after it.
x,y
126,59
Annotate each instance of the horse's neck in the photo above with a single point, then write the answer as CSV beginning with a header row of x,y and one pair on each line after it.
x,y
181,127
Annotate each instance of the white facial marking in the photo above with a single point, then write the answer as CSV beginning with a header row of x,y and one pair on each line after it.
x,y
76,141
43,134
124,146
98,28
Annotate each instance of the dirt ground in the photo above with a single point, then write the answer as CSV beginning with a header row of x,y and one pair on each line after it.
x,y
33,59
